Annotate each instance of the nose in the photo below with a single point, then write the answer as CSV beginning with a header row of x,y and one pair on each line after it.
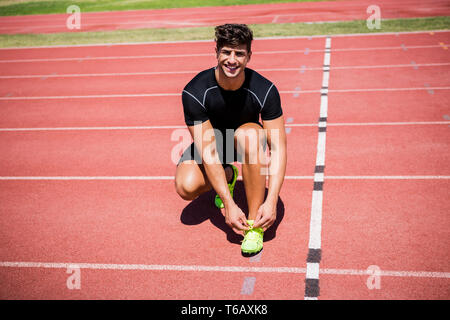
x,y
232,58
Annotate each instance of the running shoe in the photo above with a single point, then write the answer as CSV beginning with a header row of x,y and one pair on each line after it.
x,y
218,202
253,239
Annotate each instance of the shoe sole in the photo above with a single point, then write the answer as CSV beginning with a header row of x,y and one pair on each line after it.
x,y
250,254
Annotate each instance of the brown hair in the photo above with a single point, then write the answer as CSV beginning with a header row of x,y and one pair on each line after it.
x,y
233,35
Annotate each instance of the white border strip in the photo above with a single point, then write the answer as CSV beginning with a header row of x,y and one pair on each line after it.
x,y
199,268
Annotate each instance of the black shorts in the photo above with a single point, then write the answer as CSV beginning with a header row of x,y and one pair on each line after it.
x,y
225,149
226,155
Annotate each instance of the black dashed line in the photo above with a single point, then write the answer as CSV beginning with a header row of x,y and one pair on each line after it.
x,y
314,255
319,169
318,185
312,289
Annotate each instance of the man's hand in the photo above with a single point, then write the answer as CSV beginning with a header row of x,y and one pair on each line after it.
x,y
235,218
265,216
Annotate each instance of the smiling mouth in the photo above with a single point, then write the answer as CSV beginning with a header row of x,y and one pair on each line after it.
x,y
231,69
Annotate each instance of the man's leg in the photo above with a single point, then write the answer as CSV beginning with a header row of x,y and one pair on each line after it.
x,y
250,142
191,180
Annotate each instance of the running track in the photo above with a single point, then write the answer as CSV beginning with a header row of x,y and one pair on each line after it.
x,y
86,176
251,14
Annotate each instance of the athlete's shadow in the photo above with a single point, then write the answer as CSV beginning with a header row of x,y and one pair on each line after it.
x,y
203,208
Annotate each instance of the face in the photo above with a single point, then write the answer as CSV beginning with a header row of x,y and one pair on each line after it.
x,y
232,60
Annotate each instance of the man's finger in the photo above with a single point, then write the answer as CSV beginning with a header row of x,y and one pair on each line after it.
x,y
260,222
239,225
258,217
244,222
268,224
238,230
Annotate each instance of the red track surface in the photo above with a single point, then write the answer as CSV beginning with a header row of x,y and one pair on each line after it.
x,y
376,211
251,14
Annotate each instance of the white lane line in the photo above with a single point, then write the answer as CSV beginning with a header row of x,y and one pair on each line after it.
x,y
108,58
211,41
321,124
344,124
389,66
140,95
92,128
337,124
141,24
388,89
92,178
152,267
423,177
312,288
200,268
70,178
404,274
88,58
118,74
95,96
303,68
364,90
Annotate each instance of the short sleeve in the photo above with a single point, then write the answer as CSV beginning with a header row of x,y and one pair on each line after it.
x,y
272,105
194,111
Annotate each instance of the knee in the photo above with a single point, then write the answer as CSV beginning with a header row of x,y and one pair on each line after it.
x,y
186,188
184,192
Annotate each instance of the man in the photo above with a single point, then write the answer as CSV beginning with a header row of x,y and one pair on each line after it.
x,y
222,106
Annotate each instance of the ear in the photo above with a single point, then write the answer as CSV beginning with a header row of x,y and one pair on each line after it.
x,y
249,56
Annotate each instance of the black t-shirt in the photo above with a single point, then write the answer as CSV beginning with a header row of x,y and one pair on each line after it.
x,y
203,99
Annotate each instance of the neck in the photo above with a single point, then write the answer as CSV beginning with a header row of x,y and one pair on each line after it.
x,y
227,83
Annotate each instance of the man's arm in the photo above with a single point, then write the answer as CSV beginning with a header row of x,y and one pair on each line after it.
x,y
204,140
276,140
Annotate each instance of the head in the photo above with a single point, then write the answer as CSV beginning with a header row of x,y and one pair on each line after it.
x,y
233,48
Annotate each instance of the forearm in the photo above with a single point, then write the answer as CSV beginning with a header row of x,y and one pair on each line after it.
x,y
217,178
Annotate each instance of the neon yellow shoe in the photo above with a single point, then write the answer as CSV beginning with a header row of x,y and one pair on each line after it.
x,y
253,239
218,202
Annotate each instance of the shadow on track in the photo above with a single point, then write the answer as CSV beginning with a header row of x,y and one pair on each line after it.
x,y
203,208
